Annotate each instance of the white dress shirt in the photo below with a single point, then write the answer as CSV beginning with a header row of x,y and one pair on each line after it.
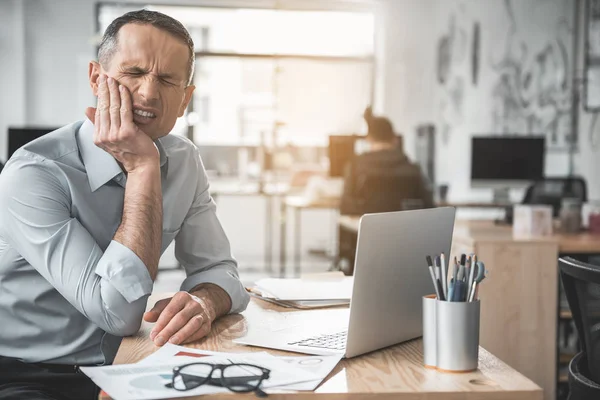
x,y
68,292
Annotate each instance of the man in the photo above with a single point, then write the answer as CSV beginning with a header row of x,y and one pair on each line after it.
x,y
87,210
381,179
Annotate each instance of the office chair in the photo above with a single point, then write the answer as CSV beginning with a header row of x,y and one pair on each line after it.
x,y
551,191
581,282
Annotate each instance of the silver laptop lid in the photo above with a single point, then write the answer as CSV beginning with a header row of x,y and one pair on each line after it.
x,y
391,276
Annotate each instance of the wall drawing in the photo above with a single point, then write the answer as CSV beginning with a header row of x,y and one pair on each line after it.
x,y
452,52
532,89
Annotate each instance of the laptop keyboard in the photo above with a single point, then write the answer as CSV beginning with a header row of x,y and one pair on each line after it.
x,y
334,341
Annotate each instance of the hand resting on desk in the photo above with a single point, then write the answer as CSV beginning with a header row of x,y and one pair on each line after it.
x,y
187,317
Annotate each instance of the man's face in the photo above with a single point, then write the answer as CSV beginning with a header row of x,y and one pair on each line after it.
x,y
153,65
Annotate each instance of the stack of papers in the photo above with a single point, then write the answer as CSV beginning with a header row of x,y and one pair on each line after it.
x,y
312,291
149,378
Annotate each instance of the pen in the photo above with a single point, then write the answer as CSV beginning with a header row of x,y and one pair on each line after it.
x,y
471,276
455,271
438,283
438,269
433,280
459,291
444,275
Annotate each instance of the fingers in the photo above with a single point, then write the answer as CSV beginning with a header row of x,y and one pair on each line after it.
x,y
154,313
195,324
90,112
185,318
175,305
201,332
176,322
126,106
114,106
103,113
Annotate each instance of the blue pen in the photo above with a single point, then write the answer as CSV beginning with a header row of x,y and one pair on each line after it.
x,y
459,291
451,290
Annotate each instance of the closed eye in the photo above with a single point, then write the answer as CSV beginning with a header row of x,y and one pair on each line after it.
x,y
168,82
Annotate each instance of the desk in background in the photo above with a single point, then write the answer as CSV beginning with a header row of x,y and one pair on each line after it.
x,y
300,203
269,190
395,373
297,204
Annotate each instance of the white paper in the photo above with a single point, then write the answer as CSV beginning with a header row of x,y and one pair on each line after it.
x,y
320,366
308,289
169,353
147,381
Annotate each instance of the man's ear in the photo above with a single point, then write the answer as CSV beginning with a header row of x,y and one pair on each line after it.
x,y
186,99
94,72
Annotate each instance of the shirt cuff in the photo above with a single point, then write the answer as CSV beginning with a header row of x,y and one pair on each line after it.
x,y
226,278
125,271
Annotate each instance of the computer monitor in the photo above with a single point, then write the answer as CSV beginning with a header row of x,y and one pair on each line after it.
x,y
504,162
18,137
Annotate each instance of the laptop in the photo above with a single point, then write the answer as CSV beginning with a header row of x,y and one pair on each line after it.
x,y
390,278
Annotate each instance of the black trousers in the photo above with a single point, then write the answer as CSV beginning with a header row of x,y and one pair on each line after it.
x,y
19,380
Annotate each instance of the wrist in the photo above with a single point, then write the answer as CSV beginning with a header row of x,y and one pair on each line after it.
x,y
147,168
215,298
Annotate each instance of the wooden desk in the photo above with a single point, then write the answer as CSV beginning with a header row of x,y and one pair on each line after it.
x,y
519,306
393,373
520,300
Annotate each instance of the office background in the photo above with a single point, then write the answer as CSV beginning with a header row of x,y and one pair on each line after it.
x,y
467,67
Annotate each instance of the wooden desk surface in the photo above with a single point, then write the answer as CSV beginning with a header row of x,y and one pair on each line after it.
x,y
393,373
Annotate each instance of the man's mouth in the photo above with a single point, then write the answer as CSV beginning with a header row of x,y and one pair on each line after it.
x,y
145,114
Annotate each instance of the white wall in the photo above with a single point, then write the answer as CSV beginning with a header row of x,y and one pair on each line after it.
x,y
517,32
12,69
588,159
58,49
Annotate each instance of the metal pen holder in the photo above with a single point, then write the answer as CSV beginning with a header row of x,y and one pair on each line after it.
x,y
450,334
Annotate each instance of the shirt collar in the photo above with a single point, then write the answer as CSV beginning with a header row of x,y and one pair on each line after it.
x,y
100,166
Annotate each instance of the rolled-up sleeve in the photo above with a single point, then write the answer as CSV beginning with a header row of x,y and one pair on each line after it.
x,y
125,271
202,247
109,287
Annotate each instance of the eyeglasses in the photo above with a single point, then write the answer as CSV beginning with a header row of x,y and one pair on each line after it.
x,y
239,378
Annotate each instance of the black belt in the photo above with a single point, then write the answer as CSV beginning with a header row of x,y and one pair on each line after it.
x,y
58,368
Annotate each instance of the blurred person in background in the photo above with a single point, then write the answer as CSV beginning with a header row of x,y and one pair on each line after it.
x,y
380,179
383,178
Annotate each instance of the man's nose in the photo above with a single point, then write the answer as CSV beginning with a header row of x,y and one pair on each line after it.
x,y
148,89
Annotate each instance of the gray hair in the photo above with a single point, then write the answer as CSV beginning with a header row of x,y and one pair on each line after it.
x,y
109,43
